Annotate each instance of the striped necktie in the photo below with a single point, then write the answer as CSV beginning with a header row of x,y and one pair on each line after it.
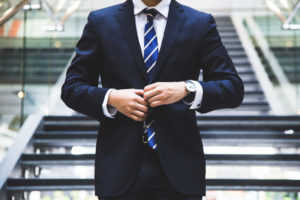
x,y
150,58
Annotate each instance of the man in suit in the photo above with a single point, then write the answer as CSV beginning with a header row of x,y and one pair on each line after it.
x,y
149,54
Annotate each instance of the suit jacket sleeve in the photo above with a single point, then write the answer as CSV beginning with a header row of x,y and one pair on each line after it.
x,y
80,90
222,87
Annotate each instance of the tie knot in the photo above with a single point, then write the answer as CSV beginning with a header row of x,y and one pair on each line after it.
x,y
150,13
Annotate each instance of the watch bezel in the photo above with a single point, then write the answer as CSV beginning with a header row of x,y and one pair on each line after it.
x,y
190,86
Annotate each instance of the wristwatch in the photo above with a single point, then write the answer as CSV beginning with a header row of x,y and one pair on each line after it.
x,y
191,88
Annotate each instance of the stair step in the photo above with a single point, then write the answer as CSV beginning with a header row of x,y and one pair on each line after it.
x,y
253,102
226,29
247,76
252,87
249,79
211,159
242,122
229,42
229,35
21,184
259,140
250,122
254,92
244,70
244,66
238,54
93,134
83,119
234,47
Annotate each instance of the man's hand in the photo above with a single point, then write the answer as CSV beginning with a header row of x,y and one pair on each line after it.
x,y
130,102
163,93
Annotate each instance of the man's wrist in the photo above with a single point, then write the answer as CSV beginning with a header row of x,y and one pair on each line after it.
x,y
185,91
191,89
108,110
111,98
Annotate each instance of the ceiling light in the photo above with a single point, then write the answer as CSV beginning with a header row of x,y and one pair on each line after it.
x,y
21,94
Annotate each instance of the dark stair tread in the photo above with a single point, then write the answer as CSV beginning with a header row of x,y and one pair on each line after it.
x,y
21,184
73,134
220,139
223,159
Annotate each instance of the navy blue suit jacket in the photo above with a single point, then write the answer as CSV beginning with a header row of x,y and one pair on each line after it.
x,y
109,48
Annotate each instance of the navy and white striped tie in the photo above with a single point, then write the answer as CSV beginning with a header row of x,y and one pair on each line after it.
x,y
150,58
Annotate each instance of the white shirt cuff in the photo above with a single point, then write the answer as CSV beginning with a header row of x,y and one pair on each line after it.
x,y
198,97
108,111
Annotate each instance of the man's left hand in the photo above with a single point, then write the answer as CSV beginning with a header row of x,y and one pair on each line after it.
x,y
163,93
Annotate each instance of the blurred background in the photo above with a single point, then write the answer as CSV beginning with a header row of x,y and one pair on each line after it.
x,y
47,150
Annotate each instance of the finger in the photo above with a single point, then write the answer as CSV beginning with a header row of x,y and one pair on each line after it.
x,y
139,92
155,98
136,118
150,87
139,113
142,107
141,101
151,93
156,103
146,115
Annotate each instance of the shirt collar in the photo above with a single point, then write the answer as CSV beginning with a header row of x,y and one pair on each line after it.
x,y
162,7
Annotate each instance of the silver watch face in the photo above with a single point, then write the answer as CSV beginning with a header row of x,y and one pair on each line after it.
x,y
190,86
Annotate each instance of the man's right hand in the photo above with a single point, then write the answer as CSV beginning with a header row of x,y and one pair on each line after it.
x,y
130,102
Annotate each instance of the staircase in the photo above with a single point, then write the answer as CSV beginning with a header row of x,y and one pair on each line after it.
x,y
62,146
48,165
42,65
254,102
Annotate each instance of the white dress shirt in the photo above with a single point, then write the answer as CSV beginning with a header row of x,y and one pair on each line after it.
x,y
159,22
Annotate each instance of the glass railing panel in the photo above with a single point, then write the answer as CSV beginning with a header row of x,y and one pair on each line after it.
x,y
283,49
32,61
48,53
11,65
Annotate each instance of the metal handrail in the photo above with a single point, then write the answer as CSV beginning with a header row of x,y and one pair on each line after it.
x,y
70,10
286,22
59,23
12,11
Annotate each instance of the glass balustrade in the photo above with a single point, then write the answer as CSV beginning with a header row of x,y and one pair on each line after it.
x,y
34,53
280,55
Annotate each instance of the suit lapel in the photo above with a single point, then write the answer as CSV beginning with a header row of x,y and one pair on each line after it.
x,y
127,20
174,23
175,20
